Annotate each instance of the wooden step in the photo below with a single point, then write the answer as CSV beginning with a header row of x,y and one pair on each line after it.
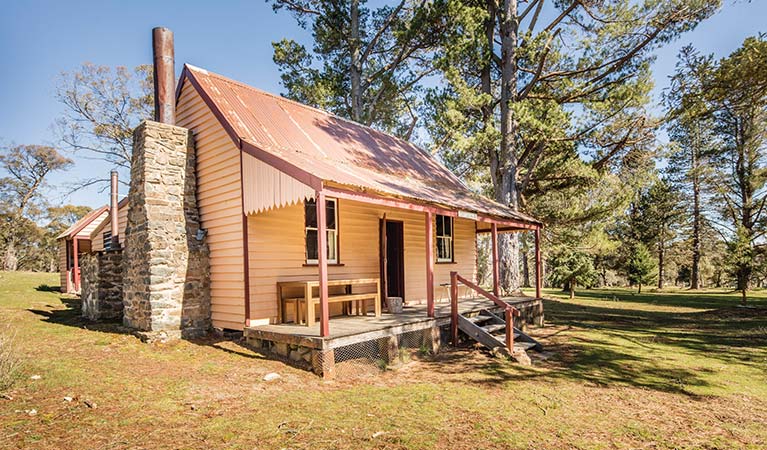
x,y
479,319
495,327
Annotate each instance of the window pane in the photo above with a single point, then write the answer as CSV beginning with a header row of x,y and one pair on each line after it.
x,y
311,245
310,211
330,211
448,226
440,248
331,245
440,226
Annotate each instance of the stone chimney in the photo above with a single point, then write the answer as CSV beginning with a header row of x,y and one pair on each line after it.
x,y
166,283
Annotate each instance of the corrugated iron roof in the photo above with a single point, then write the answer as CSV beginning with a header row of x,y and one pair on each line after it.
x,y
83,222
337,150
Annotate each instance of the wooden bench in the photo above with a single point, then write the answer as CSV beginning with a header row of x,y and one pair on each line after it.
x,y
309,301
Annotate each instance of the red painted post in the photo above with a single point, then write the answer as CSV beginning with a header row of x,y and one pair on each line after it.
x,y
538,267
322,262
496,266
509,330
454,307
76,268
429,264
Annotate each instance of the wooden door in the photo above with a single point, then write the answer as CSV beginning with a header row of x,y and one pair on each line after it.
x,y
392,258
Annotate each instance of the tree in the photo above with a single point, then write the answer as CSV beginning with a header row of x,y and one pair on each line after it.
x,y
735,97
656,220
570,268
365,65
693,144
103,106
563,102
26,168
640,267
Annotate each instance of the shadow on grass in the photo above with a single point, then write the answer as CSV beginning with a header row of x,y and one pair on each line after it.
x,y
681,298
607,345
47,288
72,316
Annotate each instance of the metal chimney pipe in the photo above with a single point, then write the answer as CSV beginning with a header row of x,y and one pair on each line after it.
x,y
113,212
164,76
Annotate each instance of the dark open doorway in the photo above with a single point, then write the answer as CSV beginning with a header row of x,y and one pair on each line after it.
x,y
392,259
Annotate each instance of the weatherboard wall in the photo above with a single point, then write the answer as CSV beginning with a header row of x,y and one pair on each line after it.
x,y
220,206
276,243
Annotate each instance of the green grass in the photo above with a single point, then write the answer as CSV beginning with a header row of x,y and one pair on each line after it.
x,y
662,370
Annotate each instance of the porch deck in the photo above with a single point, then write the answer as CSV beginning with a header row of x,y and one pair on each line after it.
x,y
347,330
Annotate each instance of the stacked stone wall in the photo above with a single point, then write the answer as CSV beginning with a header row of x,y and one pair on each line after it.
x,y
167,281
101,277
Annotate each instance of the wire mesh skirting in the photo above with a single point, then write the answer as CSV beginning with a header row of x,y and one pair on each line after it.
x,y
378,355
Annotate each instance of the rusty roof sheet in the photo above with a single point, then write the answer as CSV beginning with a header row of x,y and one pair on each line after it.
x,y
338,150
83,222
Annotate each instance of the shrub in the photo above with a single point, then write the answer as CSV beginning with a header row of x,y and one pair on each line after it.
x,y
10,362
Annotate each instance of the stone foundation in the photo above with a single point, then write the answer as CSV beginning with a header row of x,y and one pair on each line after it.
x,y
101,278
167,277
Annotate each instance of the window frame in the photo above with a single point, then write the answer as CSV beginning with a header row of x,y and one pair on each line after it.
x,y
336,247
441,235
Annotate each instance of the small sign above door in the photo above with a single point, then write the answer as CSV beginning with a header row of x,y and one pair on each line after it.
x,y
467,215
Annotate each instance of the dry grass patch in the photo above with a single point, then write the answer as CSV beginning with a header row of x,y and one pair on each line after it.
x,y
660,371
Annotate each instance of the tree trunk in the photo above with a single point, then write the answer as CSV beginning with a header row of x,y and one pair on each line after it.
x,y
696,220
10,260
506,188
526,267
572,290
661,254
356,67
745,264
640,289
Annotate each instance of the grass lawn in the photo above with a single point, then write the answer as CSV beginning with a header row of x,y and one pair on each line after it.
x,y
657,370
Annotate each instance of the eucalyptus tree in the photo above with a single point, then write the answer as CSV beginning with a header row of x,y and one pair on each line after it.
x,y
102,107
540,97
24,170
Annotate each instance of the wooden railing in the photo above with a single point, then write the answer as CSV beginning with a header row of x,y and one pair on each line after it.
x,y
509,310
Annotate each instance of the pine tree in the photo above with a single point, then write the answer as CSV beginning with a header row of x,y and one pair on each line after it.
x,y
561,104
570,268
640,267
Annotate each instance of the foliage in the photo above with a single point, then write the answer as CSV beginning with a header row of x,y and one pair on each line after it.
x,y
719,126
102,107
640,267
26,168
531,107
365,64
571,268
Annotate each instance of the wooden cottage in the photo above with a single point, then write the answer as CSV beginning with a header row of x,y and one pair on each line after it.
x,y
92,233
278,180
74,242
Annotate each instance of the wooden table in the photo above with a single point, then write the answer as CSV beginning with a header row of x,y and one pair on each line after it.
x,y
311,301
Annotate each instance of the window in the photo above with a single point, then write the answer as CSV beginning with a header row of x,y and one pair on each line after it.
x,y
107,240
444,238
310,215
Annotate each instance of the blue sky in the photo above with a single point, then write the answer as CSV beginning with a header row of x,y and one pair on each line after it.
x,y
40,39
